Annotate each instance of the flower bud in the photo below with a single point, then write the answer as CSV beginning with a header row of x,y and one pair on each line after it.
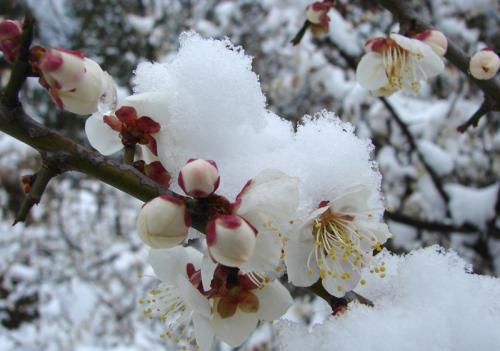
x,y
10,29
316,11
163,222
484,64
231,240
10,39
63,69
435,39
199,177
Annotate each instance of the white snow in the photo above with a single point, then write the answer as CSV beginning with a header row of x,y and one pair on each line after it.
x,y
426,301
470,205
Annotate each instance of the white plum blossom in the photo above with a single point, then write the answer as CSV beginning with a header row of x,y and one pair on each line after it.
x,y
176,301
484,64
135,121
163,222
199,177
395,63
75,83
335,242
317,15
230,309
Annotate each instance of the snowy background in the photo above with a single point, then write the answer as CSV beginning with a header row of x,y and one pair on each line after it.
x,y
70,279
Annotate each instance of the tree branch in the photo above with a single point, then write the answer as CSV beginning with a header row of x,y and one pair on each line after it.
x,y
42,179
430,225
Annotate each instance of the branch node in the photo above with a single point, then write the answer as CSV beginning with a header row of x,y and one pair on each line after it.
x,y
40,182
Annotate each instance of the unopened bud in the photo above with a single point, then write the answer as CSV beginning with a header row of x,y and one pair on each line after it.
x,y
10,38
317,11
231,240
435,39
484,64
10,29
163,222
63,69
199,177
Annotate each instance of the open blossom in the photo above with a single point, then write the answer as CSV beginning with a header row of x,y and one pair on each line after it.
x,y
395,63
335,242
135,121
230,308
317,15
265,205
176,301
75,83
484,64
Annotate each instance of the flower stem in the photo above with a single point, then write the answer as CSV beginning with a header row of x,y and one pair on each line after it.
x,y
128,154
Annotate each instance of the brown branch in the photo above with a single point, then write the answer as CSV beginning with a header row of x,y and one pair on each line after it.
x,y
42,179
21,67
430,225
484,109
300,34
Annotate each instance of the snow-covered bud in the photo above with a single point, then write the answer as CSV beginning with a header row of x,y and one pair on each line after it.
x,y
10,37
199,177
484,64
317,11
231,240
435,39
163,222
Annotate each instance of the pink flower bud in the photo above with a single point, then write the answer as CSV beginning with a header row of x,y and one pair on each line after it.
x,y
231,240
435,39
163,222
484,64
317,11
199,177
63,69
10,29
10,37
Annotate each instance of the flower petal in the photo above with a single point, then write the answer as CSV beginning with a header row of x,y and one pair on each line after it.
x,y
236,329
101,136
267,252
370,72
430,64
339,284
352,199
296,257
169,263
208,267
193,297
273,192
203,332
274,301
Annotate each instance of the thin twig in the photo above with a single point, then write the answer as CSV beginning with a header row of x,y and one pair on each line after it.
x,y
300,34
42,179
430,225
484,109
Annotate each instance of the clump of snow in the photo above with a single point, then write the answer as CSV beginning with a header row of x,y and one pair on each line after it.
x,y
216,110
427,300
469,205
439,160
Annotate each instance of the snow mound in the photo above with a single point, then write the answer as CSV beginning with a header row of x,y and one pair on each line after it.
x,y
428,300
